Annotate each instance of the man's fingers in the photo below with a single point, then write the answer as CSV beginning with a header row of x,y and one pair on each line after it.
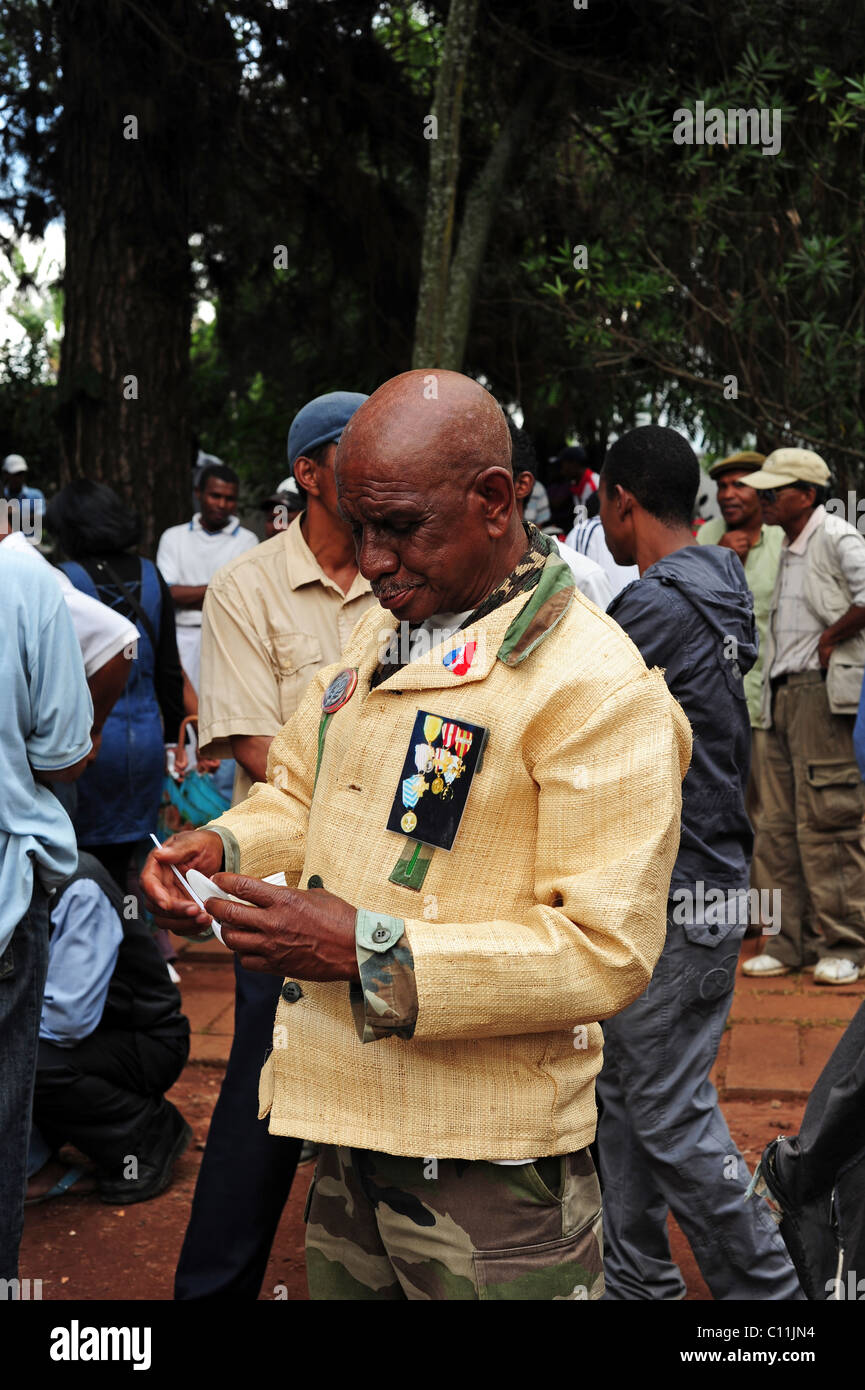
x,y
238,915
258,965
253,890
245,942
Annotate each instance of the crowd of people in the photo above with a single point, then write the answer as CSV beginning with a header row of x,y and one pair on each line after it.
x,y
511,773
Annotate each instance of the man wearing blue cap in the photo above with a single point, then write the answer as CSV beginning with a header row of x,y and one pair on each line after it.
x,y
271,618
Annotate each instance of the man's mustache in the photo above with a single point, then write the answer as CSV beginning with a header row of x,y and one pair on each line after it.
x,y
388,591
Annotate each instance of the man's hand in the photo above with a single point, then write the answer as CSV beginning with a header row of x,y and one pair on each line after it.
x,y
737,541
826,646
308,935
168,900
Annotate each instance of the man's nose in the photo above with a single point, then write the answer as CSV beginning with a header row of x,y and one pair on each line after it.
x,y
375,557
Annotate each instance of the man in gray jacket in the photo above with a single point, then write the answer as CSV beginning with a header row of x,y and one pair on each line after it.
x,y
811,844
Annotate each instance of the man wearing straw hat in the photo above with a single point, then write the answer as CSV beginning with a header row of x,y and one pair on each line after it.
x,y
477,826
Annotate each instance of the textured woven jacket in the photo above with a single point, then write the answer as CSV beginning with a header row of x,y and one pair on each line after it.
x,y
547,914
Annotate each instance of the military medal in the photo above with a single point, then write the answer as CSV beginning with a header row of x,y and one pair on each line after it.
x,y
431,727
442,757
423,756
340,691
462,742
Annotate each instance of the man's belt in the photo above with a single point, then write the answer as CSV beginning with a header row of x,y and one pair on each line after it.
x,y
775,682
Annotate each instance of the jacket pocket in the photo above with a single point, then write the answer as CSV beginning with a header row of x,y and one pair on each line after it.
x,y
843,684
836,796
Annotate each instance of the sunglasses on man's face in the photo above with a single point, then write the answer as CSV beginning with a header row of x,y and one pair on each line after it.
x,y
769,495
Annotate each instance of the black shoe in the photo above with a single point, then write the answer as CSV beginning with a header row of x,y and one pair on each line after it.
x,y
164,1142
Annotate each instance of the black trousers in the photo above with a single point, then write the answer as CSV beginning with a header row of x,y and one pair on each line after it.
x,y
246,1172
104,1094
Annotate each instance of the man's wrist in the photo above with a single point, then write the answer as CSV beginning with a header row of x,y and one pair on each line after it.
x,y
230,848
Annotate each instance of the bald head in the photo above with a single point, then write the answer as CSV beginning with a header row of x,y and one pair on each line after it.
x,y
423,475
430,420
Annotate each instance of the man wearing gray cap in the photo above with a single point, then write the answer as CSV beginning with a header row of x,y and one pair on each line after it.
x,y
271,618
810,842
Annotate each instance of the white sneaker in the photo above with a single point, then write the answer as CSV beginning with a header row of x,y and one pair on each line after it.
x,y
765,965
836,970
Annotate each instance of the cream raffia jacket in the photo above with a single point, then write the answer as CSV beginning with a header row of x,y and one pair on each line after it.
x,y
548,913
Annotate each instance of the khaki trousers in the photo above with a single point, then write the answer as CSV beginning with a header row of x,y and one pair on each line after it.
x,y
809,835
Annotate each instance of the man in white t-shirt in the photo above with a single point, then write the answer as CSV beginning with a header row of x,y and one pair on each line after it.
x,y
189,556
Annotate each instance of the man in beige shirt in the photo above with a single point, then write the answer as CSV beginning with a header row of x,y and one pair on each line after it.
x,y
271,618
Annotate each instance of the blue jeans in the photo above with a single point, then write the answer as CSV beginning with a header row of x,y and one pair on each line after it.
x,y
664,1144
23,967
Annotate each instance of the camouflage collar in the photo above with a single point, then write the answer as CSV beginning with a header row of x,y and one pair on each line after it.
x,y
549,601
540,568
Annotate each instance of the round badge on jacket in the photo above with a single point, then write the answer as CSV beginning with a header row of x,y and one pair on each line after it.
x,y
340,691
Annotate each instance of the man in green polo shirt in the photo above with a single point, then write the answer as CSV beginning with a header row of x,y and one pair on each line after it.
x,y
741,528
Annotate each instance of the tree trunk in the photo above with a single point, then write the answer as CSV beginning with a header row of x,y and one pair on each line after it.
x,y
480,205
126,151
442,188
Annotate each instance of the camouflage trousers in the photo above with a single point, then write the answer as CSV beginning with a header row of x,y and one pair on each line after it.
x,y
426,1228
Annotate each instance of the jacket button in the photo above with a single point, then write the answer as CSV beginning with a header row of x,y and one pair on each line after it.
x,y
381,935
291,992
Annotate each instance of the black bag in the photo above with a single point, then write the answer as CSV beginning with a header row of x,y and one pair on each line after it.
x,y
817,1179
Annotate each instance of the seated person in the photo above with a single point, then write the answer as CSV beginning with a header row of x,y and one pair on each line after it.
x,y
112,1040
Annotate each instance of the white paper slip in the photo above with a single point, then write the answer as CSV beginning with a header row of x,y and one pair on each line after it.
x,y
203,888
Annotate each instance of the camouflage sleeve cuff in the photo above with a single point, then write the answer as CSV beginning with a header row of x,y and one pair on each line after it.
x,y
384,1004
230,847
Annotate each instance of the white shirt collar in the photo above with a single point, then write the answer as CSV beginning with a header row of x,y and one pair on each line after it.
x,y
800,544
227,530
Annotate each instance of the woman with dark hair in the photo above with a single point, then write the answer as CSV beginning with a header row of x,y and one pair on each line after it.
x,y
120,793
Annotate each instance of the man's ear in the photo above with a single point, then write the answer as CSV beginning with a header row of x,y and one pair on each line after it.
x,y
494,488
304,471
624,501
523,484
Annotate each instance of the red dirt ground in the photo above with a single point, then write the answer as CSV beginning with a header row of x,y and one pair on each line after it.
x,y
82,1249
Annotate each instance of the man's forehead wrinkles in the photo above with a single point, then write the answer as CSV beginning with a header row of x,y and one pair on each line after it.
x,y
379,495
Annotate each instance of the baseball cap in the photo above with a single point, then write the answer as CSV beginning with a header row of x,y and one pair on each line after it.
x,y
785,466
14,463
287,494
321,421
746,461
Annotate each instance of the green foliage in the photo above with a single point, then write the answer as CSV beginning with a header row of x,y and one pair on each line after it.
x,y
703,261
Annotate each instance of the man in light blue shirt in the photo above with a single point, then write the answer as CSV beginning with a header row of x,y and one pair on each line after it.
x,y
45,714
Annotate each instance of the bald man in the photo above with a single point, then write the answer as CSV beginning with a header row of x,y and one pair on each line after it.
x,y
477,814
